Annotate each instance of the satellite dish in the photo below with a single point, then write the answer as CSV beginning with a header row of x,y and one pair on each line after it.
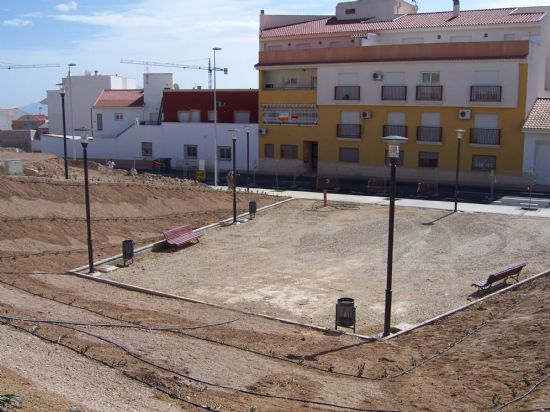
x,y
176,86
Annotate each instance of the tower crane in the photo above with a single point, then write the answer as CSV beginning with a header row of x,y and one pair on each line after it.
x,y
180,66
25,66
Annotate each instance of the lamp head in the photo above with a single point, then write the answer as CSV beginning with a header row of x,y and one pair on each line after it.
x,y
247,129
393,143
83,131
234,134
216,48
72,64
459,134
61,88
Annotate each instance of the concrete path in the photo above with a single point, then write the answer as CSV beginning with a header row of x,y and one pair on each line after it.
x,y
420,203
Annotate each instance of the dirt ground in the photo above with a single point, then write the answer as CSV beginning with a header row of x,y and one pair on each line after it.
x,y
70,342
317,254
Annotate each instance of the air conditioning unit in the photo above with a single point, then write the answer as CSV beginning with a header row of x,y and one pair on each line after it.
x,y
262,131
377,76
464,114
366,115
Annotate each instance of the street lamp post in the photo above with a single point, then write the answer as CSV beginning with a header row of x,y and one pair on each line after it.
x,y
84,141
71,105
393,155
459,134
234,156
247,130
62,93
215,49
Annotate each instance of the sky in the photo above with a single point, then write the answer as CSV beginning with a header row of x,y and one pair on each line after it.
x,y
97,34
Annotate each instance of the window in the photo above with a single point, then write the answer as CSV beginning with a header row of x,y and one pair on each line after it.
x,y
429,78
484,163
269,151
430,130
428,159
350,11
147,149
289,151
394,92
400,161
396,125
211,115
290,82
485,131
412,40
350,125
224,153
460,39
349,154
99,122
190,151
347,93
119,116
242,116
195,116
183,116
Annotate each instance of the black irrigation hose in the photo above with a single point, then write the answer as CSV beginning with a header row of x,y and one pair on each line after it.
x,y
215,385
384,377
520,398
120,326
128,375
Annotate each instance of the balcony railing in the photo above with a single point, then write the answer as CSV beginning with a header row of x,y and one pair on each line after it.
x,y
431,93
428,134
347,93
349,131
486,93
490,137
394,130
394,92
292,86
150,123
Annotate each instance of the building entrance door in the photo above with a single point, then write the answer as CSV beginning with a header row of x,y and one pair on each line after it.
x,y
542,166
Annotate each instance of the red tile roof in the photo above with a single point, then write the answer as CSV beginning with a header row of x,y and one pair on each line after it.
x,y
467,18
120,98
539,118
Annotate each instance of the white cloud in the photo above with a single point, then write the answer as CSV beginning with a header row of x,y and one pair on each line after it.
x,y
66,7
17,22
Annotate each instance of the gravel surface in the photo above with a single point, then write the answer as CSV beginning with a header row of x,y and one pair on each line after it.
x,y
294,261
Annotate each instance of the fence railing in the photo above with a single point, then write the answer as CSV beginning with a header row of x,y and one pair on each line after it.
x,y
432,93
490,137
486,93
394,130
394,92
347,93
350,131
428,134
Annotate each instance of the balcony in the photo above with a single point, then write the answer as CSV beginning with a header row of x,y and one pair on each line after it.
x,y
486,137
429,93
348,131
394,130
428,134
486,93
291,86
394,93
347,93
398,52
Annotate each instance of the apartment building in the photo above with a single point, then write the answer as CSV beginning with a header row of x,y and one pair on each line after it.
x,y
332,86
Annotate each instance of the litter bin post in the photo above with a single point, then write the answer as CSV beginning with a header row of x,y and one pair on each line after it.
x,y
345,313
127,251
252,209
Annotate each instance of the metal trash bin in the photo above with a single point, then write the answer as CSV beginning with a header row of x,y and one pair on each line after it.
x,y
252,209
127,251
345,313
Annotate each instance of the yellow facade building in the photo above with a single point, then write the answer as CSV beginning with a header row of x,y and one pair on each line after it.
x,y
332,86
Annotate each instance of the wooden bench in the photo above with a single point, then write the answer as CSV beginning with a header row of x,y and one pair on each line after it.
x,y
181,235
512,272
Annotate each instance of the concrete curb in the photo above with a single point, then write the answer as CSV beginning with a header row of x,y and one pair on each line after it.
x,y
461,308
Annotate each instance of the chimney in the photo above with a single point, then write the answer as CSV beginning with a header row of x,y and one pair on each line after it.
x,y
456,8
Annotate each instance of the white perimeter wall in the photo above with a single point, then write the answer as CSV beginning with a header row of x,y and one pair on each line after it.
x,y
456,78
168,141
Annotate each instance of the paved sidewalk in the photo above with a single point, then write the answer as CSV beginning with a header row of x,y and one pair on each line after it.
x,y
420,203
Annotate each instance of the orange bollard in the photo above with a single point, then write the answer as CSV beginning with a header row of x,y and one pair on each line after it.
x,y
325,201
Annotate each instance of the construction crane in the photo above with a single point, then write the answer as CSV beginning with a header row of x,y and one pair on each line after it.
x,y
8,66
180,66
